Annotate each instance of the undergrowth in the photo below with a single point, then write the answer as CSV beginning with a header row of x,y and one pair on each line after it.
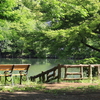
x,y
37,87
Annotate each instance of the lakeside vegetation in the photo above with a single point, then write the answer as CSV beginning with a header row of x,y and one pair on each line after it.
x,y
28,86
39,87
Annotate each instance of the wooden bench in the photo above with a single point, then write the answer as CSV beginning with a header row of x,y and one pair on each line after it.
x,y
8,70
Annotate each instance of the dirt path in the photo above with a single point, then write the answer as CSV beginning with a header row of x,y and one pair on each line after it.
x,y
50,96
63,85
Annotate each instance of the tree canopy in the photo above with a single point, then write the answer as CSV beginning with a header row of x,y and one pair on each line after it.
x,y
50,28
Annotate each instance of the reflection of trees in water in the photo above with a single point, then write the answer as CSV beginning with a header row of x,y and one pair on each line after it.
x,y
37,65
35,61
22,61
61,61
10,61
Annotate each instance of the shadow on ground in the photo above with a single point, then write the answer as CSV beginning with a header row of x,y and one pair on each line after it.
x,y
53,96
48,96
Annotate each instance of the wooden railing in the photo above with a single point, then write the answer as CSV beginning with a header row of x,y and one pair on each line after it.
x,y
81,71
57,73
78,73
49,75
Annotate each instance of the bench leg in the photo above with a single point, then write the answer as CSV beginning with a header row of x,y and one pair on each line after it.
x,y
8,80
27,79
20,79
0,78
12,80
5,79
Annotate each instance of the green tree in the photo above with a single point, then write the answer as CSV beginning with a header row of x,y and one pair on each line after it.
x,y
73,29
18,22
75,26
13,19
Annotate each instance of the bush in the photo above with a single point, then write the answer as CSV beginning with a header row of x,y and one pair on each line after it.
x,y
93,60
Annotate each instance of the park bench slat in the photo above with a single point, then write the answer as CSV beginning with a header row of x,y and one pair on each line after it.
x,y
21,67
5,67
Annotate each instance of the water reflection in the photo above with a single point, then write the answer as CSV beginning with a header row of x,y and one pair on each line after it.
x,y
37,65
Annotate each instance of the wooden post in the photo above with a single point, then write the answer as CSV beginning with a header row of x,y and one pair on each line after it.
x,y
65,72
81,71
43,77
90,71
40,79
59,73
54,74
99,72
47,76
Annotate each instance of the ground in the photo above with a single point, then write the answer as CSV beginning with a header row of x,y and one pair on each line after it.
x,y
50,96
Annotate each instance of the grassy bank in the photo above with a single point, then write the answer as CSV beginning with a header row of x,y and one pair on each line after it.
x,y
39,87
28,86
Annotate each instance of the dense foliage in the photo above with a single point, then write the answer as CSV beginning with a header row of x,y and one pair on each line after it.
x,y
50,28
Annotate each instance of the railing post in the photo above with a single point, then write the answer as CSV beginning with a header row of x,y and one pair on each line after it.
x,y
81,71
59,73
90,71
43,77
65,72
98,72
39,78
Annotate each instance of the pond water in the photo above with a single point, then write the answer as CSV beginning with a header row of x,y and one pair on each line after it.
x,y
37,65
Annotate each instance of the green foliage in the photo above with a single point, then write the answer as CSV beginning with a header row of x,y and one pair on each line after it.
x,y
93,60
34,87
16,24
73,30
26,87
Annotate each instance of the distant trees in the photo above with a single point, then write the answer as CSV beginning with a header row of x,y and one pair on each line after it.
x,y
16,23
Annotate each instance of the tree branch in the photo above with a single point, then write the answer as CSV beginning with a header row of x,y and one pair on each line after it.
x,y
91,47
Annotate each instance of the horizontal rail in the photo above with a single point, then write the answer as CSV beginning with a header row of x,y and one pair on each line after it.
x,y
72,78
73,73
82,65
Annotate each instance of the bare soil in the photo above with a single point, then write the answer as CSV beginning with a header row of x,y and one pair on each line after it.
x,y
50,96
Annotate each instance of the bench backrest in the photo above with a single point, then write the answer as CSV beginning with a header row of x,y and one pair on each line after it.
x,y
21,66
11,67
6,67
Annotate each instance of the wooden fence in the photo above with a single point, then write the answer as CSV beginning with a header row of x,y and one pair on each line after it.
x,y
57,73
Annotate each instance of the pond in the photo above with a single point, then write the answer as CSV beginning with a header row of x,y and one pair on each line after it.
x,y
37,65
